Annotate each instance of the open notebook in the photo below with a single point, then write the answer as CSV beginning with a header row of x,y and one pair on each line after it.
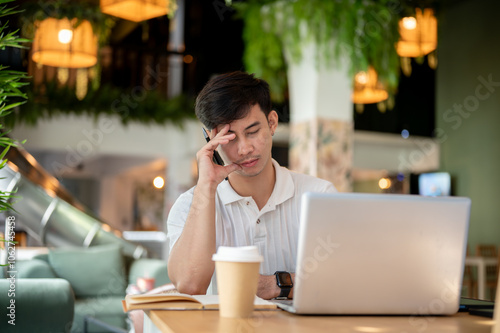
x,y
178,301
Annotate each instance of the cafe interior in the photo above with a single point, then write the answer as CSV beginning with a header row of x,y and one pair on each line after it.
x,y
392,97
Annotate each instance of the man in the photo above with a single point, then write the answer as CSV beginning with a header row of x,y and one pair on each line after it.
x,y
258,204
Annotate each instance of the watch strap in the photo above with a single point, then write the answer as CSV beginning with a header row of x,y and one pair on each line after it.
x,y
284,292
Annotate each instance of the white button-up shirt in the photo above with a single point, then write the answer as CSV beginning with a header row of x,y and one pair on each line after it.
x,y
274,229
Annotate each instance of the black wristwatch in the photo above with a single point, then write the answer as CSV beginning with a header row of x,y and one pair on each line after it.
x,y
284,281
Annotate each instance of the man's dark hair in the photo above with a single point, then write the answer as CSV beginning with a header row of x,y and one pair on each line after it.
x,y
228,97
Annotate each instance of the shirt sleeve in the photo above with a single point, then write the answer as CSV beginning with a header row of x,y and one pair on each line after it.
x,y
177,217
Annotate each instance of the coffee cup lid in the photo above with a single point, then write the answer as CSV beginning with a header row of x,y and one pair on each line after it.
x,y
238,254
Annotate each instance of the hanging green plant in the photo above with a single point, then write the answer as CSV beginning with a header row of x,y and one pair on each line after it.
x,y
363,31
147,107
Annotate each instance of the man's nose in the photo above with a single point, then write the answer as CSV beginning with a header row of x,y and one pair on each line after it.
x,y
245,147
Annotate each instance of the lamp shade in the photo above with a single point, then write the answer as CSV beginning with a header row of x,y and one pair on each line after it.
x,y
62,43
418,35
135,10
367,89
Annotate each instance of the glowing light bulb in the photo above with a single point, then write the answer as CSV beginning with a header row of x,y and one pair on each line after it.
x,y
409,23
158,182
65,36
361,77
384,183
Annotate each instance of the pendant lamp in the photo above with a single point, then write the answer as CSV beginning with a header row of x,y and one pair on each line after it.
x,y
135,10
418,35
64,43
367,89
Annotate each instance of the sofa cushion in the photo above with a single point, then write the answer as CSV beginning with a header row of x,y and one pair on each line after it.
x,y
94,271
34,268
149,267
42,256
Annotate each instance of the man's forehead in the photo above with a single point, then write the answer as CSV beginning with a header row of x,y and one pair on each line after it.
x,y
253,118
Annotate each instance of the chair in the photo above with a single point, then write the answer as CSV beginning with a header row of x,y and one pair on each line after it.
x,y
469,285
490,251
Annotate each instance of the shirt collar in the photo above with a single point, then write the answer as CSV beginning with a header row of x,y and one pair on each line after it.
x,y
283,188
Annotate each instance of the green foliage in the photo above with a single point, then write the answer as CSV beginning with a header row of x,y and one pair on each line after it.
x,y
138,105
51,99
263,47
11,95
363,31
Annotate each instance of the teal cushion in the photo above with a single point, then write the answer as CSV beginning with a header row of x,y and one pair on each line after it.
x,y
42,256
95,271
149,267
34,268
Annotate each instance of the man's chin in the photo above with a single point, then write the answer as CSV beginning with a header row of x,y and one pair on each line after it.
x,y
245,174
248,173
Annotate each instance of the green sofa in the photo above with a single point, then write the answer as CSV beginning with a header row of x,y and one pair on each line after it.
x,y
98,276
36,305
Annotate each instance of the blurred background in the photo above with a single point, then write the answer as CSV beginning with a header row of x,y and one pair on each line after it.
x,y
116,137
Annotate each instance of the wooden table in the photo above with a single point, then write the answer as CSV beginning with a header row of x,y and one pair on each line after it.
x,y
481,263
275,321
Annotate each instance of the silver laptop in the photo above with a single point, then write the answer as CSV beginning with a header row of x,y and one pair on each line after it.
x,y
380,254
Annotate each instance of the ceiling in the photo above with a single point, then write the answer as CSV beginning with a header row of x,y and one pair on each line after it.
x,y
215,42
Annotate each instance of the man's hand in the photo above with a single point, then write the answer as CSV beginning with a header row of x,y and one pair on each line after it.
x,y
267,287
207,169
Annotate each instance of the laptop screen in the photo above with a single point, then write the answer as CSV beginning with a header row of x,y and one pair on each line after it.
x,y
380,254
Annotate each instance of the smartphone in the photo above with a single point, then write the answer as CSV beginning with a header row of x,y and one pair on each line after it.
x,y
216,158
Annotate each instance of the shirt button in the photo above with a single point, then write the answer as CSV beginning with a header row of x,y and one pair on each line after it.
x,y
248,203
258,221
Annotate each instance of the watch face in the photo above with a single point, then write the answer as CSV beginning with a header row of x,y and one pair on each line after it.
x,y
284,279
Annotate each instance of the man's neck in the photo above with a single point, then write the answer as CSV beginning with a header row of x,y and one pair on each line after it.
x,y
259,187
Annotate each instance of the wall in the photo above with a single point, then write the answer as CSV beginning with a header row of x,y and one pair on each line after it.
x,y
393,153
109,153
468,110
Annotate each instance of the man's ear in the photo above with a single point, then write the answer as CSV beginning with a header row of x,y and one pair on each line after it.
x,y
272,120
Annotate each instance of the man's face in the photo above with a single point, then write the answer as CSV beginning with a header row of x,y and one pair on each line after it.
x,y
251,148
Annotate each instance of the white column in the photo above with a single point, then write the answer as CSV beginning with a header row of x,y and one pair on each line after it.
x,y
321,123
178,176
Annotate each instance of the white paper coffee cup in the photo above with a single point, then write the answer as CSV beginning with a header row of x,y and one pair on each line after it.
x,y
237,278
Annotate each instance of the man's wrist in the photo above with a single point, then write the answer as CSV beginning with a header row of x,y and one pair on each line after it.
x,y
206,189
267,288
